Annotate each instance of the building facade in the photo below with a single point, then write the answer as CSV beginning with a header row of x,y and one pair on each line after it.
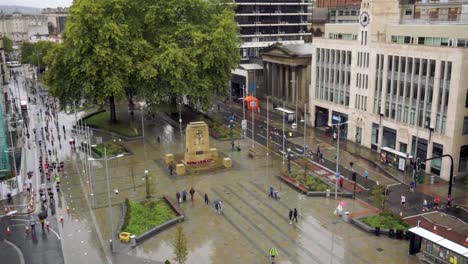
x,y
400,85
265,22
287,75
56,19
21,27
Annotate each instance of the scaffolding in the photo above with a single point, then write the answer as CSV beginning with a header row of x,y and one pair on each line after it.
x,y
4,161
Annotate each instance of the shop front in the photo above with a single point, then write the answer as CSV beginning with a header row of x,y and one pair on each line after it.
x,y
395,158
434,248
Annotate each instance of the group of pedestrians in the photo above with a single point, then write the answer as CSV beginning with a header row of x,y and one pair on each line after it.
x,y
182,198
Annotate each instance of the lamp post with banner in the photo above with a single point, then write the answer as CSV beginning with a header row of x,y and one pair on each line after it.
x,y
253,105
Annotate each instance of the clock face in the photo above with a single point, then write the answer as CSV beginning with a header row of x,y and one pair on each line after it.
x,y
364,19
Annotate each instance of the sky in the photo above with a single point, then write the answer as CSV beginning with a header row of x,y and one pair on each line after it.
x,y
38,3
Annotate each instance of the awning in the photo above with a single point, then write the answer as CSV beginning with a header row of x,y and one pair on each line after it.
x,y
396,152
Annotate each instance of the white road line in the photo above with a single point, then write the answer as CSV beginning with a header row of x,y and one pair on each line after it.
x,y
18,250
53,231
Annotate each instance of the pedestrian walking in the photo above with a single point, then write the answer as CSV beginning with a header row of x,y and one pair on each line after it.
x,y
425,206
366,174
184,195
412,184
273,254
290,216
178,197
295,215
192,192
436,202
341,181
171,169
403,201
206,199
322,160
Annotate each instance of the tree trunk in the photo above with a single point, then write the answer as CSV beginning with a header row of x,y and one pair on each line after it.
x,y
113,117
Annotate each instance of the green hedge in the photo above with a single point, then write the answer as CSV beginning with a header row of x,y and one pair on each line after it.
x,y
385,220
315,184
112,149
146,215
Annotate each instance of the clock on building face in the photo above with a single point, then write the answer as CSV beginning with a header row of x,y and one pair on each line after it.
x,y
364,19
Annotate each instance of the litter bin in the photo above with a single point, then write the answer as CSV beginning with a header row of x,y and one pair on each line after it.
x,y
346,216
432,179
328,193
133,240
377,231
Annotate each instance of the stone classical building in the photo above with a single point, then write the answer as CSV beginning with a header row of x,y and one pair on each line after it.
x,y
21,27
401,83
287,74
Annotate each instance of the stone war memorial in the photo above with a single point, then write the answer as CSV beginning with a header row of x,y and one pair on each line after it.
x,y
198,155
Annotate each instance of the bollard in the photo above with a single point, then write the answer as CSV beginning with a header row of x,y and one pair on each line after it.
x,y
133,240
61,220
346,217
328,193
432,179
8,231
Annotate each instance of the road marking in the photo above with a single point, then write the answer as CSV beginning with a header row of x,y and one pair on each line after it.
x,y
18,250
53,231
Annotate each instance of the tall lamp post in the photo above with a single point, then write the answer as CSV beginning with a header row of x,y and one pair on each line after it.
x,y
338,125
148,195
106,159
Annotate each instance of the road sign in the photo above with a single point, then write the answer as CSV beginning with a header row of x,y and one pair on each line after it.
x,y
338,175
244,124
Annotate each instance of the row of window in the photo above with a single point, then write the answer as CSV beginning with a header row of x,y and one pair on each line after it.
x,y
430,41
333,56
362,81
410,89
348,12
342,36
363,59
360,102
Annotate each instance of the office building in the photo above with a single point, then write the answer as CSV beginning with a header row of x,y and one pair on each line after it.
x,y
400,79
265,22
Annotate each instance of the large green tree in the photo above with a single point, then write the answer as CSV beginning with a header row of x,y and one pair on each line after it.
x,y
34,53
164,50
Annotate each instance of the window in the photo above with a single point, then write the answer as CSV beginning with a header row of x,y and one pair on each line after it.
x,y
465,125
358,135
466,102
408,12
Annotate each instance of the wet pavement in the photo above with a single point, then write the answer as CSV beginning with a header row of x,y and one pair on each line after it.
x,y
250,224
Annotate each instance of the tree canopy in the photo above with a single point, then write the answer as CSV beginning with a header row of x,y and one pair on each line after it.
x,y
7,44
163,50
34,53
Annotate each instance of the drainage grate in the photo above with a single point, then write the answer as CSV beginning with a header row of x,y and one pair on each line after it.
x,y
379,249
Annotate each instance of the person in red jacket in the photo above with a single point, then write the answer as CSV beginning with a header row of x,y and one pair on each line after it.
x,y
341,182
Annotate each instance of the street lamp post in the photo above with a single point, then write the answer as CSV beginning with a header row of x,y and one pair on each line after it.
x,y
148,195
106,159
338,125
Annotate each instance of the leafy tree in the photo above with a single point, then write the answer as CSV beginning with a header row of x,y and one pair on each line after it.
x,y
196,45
180,245
7,44
95,60
163,50
378,195
34,53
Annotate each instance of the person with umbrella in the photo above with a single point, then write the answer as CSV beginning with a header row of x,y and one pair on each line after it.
x,y
42,217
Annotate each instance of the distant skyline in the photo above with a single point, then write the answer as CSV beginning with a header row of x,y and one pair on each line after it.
x,y
38,3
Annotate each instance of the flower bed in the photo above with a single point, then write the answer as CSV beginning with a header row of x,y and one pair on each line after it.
x,y
112,149
143,216
385,220
312,183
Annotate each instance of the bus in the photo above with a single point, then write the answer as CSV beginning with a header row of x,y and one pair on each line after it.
x,y
13,64
288,114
